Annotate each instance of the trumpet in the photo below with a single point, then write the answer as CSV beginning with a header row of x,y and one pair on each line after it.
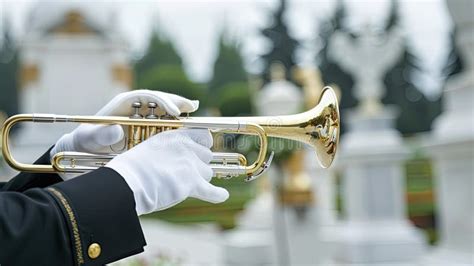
x,y
318,127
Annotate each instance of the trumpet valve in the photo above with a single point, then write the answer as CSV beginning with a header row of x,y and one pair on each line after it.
x,y
136,108
135,132
152,106
151,130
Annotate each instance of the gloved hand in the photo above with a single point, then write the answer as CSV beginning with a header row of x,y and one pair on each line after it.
x,y
99,138
169,167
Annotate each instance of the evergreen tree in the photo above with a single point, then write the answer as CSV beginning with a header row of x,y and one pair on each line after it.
x,y
228,66
416,111
228,88
234,99
453,66
160,51
283,46
161,69
8,72
172,79
331,72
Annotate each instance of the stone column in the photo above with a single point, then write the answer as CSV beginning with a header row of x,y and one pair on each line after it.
x,y
260,233
375,229
452,150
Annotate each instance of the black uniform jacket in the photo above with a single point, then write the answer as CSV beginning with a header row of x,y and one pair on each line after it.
x,y
89,220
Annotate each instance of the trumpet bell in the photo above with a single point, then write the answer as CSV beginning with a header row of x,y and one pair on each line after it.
x,y
318,127
322,127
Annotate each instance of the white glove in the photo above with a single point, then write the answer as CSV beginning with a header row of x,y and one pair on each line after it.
x,y
98,138
169,167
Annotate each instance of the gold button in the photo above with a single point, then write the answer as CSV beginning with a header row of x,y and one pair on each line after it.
x,y
94,250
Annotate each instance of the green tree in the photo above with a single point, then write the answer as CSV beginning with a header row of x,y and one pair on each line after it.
x,y
171,78
416,111
228,66
228,88
331,72
234,99
283,46
160,51
161,69
8,72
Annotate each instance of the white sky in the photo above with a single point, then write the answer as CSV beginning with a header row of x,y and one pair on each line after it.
x,y
195,25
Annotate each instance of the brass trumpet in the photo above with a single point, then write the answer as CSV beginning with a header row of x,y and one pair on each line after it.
x,y
318,127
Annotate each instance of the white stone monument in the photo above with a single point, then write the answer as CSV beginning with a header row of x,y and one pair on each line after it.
x,y
368,59
296,233
375,230
452,148
71,63
267,226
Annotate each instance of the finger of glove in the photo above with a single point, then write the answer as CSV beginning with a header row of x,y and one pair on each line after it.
x,y
108,135
95,137
210,193
170,103
121,104
202,153
116,106
204,170
65,143
198,135
184,105
166,104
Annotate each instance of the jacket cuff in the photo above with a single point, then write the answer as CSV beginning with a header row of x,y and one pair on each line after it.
x,y
100,210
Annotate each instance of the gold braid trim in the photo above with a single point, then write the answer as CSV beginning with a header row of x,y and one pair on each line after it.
x,y
72,219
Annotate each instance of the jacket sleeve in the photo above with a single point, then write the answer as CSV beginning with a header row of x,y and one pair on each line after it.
x,y
89,220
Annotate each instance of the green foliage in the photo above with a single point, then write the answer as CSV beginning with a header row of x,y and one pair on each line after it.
x,y
161,69
416,111
160,52
171,78
228,88
283,46
234,99
228,67
194,210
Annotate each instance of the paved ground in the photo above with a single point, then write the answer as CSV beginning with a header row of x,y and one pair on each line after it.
x,y
179,245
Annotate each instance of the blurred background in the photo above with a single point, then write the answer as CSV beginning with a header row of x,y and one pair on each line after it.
x,y
401,189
